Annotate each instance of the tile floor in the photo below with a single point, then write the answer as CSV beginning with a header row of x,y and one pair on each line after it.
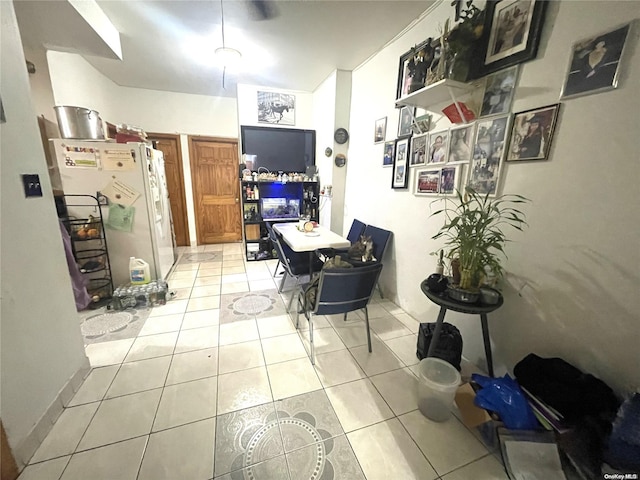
x,y
218,384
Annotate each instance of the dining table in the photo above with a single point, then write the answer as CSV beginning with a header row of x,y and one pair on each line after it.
x,y
300,241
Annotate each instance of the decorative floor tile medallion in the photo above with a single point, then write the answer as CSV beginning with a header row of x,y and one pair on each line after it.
x,y
245,438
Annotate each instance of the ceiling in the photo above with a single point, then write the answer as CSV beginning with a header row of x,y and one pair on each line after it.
x,y
169,45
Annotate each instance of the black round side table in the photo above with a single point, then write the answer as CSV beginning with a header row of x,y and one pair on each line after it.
x,y
447,303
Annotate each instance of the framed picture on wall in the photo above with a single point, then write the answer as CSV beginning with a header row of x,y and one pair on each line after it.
x,y
498,92
276,108
438,147
380,130
427,182
400,164
595,63
461,144
414,65
532,132
448,180
405,120
419,149
389,150
488,153
512,29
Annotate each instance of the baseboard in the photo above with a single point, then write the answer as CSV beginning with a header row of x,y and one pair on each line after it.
x,y
36,436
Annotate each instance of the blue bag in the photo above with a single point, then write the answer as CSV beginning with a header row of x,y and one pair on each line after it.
x,y
503,396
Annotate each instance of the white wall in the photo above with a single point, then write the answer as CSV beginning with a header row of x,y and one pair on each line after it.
x,y
343,102
76,83
573,275
42,346
41,91
324,112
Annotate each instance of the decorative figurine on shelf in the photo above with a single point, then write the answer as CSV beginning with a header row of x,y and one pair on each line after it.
x,y
253,215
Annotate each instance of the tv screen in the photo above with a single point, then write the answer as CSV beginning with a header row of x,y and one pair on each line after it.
x,y
278,149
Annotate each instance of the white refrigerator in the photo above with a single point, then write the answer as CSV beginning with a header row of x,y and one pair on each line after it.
x,y
122,171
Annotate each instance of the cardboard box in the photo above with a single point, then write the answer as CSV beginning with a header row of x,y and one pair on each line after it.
x,y
472,416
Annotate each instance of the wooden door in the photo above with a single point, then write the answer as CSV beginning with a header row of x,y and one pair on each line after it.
x,y
9,468
169,145
216,189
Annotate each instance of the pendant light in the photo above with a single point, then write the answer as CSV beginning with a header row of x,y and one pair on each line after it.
x,y
225,55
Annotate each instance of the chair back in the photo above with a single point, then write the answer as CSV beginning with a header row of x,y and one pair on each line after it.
x,y
272,234
380,240
295,263
342,290
357,228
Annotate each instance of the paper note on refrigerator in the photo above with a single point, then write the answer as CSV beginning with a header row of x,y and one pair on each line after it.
x,y
121,218
114,160
119,192
87,158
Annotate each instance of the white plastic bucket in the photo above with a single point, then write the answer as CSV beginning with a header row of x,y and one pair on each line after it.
x,y
439,381
139,271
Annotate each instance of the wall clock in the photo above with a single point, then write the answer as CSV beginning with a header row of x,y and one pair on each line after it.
x,y
340,160
341,135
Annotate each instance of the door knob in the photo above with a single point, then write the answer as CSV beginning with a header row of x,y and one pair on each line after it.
x,y
237,200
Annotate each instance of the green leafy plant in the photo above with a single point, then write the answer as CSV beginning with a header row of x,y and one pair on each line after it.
x,y
463,38
473,232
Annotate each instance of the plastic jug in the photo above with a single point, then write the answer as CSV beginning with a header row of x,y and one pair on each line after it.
x,y
139,272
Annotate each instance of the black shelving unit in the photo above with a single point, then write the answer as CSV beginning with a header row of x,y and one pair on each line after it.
x,y
85,225
306,195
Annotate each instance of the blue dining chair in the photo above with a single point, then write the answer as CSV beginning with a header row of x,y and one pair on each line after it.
x,y
339,290
295,264
357,229
272,237
380,238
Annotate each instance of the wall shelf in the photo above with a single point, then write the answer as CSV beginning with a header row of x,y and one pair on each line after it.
x,y
440,92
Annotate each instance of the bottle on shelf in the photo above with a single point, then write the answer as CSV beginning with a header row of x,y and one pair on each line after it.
x,y
256,193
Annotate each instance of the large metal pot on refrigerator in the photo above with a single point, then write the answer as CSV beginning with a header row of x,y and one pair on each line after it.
x,y
79,123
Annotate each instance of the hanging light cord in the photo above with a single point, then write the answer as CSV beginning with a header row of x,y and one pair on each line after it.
x,y
224,67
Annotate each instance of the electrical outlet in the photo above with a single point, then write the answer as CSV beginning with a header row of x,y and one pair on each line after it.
x,y
31,183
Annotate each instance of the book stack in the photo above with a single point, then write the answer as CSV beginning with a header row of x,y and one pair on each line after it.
x,y
548,416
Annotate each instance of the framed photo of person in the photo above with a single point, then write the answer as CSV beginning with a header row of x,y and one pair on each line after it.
x,y
400,165
461,144
488,153
595,63
512,32
405,119
498,92
413,69
448,180
438,147
427,182
419,149
380,130
389,150
532,132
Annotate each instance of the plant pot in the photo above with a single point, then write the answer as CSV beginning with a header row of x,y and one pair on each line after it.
x,y
463,295
489,296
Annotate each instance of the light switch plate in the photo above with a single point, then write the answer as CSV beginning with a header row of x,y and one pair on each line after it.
x,y
31,183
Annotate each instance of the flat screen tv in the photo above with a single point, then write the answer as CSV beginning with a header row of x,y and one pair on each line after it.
x,y
278,149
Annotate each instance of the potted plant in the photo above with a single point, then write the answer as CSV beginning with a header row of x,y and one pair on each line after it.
x,y
463,39
473,233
